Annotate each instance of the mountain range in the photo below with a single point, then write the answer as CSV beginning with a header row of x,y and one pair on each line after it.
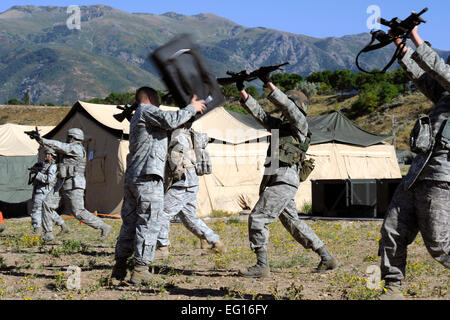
x,y
40,55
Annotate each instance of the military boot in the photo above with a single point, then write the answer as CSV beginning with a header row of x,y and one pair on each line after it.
x,y
327,262
162,253
140,275
392,291
260,270
216,248
64,229
119,271
204,244
219,247
48,237
106,231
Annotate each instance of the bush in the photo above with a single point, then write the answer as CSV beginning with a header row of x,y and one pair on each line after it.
x,y
14,102
373,96
308,88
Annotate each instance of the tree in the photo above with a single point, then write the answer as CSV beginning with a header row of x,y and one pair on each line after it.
x,y
230,91
308,88
286,81
26,99
14,102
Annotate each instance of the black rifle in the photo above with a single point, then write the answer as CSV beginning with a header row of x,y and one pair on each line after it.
x,y
127,113
248,77
34,135
400,29
34,170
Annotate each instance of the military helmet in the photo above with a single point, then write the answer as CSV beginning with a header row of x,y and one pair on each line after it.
x,y
300,99
76,133
50,151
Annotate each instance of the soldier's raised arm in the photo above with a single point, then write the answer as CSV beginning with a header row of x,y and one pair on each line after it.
x,y
423,80
252,106
173,119
291,106
68,149
430,61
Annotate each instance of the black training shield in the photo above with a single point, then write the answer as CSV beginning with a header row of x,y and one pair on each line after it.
x,y
185,73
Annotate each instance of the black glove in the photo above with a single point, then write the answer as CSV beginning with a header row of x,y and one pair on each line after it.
x,y
265,78
240,85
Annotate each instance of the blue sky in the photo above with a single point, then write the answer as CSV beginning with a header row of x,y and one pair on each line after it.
x,y
317,18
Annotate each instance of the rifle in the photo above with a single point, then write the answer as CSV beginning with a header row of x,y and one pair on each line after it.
x,y
248,77
400,29
34,135
127,113
34,170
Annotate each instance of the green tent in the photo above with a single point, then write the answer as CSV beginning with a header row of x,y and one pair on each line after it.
x,y
336,127
17,153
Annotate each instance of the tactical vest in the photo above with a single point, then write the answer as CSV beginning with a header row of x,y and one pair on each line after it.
x,y
180,159
71,167
291,150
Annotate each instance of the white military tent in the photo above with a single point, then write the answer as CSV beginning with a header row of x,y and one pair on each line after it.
x,y
17,153
341,151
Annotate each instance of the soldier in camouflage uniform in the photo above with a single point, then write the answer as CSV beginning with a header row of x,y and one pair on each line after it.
x,y
43,184
144,190
71,171
421,202
181,197
49,207
281,180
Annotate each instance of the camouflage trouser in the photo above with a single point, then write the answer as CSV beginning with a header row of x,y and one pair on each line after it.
x,y
425,208
141,211
183,201
38,212
49,214
278,201
73,200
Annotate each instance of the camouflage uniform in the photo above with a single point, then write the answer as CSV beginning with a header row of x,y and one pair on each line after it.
x,y
49,207
71,174
43,184
181,198
144,187
278,189
421,202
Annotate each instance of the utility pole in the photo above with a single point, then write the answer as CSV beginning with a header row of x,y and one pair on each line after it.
x,y
394,130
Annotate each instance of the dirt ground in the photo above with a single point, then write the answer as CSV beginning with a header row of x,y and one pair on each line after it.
x,y
30,270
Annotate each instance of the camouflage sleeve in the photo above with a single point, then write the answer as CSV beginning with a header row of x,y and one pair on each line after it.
x,y
291,112
252,106
421,79
430,61
413,71
48,177
69,149
168,119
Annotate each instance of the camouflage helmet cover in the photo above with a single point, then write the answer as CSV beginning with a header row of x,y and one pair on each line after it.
x,y
50,151
76,133
300,99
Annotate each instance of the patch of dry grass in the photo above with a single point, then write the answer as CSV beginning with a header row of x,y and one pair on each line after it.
x,y
34,271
